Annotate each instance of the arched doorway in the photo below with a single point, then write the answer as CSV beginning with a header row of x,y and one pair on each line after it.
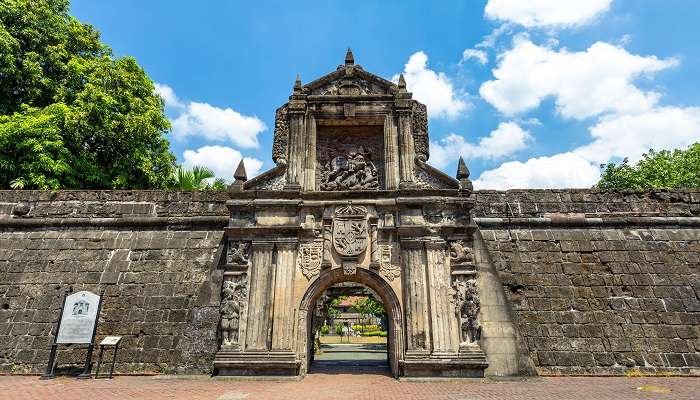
x,y
328,278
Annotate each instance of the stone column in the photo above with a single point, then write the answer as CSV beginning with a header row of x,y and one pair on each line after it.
x,y
310,149
415,296
443,317
406,146
260,303
391,153
282,310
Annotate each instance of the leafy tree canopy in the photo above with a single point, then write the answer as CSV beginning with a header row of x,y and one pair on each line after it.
x,y
71,114
197,178
657,169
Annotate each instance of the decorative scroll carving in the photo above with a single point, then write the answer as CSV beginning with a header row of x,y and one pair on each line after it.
x,y
233,299
420,132
386,268
350,233
461,254
238,253
281,139
350,172
309,258
349,86
273,183
424,180
466,295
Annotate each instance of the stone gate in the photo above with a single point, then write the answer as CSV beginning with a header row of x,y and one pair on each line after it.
x,y
352,199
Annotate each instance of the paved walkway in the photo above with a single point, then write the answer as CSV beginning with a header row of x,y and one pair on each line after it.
x,y
345,387
354,358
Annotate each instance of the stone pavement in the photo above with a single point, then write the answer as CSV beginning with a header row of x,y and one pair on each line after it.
x,y
344,386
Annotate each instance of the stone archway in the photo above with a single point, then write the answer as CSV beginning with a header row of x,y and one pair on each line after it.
x,y
328,278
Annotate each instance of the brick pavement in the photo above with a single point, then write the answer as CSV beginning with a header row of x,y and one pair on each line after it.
x,y
342,386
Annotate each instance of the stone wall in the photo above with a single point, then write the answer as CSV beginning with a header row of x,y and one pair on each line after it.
x,y
599,281
154,254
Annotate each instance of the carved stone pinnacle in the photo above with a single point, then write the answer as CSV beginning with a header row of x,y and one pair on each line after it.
x,y
240,175
349,58
297,84
462,170
402,83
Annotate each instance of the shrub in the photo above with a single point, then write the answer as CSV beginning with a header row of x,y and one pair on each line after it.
x,y
339,329
375,333
325,329
367,328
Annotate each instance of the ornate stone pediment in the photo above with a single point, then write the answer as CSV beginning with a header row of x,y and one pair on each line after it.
x,y
350,80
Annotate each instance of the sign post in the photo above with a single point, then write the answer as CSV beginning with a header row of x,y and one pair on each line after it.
x,y
108,341
49,373
77,324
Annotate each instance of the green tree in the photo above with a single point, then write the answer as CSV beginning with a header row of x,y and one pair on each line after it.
x,y
657,169
71,114
197,178
367,306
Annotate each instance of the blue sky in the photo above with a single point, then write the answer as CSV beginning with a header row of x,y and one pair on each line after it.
x,y
533,94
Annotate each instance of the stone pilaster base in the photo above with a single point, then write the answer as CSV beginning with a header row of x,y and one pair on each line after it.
x,y
251,363
468,363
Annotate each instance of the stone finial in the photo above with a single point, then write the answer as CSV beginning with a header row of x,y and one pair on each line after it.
x,y
240,177
349,58
462,170
463,176
402,83
297,85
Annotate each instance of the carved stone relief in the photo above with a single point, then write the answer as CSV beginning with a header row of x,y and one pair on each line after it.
x,y
460,254
387,269
424,180
309,258
281,138
273,183
468,304
353,171
353,86
350,233
349,158
233,300
420,131
238,253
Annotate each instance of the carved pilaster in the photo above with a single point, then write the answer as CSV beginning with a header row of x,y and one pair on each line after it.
x,y
260,303
443,319
391,153
284,290
415,296
406,146
310,157
297,143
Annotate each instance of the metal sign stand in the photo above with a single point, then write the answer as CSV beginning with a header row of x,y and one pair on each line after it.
x,y
51,366
108,341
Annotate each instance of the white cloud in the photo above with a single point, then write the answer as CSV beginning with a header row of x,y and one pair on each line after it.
x,y
168,95
478,55
507,139
210,122
221,160
566,170
583,84
432,88
620,136
546,13
218,124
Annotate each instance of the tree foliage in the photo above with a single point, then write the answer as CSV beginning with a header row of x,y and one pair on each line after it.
x,y
71,114
657,169
197,178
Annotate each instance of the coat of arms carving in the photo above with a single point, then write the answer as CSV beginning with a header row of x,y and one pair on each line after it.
x,y
386,268
350,235
309,258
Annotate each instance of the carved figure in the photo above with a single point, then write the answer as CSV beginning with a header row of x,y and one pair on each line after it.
x,y
468,307
309,258
233,297
238,253
460,254
351,172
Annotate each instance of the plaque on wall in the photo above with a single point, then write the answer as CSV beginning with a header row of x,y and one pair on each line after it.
x,y
78,318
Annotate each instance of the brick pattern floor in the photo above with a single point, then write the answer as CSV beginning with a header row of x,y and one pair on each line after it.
x,y
344,386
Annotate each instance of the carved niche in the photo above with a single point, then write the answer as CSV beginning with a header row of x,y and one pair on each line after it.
x,y
350,231
234,296
387,269
238,253
466,296
309,258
